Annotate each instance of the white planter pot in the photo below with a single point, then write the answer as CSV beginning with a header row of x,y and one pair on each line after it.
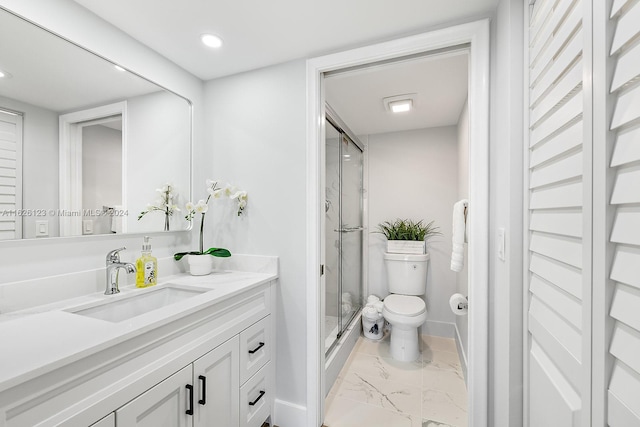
x,y
406,247
200,265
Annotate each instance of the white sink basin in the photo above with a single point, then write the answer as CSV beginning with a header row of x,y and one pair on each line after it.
x,y
135,305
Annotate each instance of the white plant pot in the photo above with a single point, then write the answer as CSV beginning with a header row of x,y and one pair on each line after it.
x,y
200,265
406,247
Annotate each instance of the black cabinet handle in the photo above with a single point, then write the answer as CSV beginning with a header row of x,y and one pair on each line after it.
x,y
203,380
262,392
257,348
190,410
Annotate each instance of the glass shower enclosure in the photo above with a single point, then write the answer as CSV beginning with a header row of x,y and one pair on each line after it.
x,y
343,229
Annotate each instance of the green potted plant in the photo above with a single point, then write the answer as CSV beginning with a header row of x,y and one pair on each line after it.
x,y
406,236
200,262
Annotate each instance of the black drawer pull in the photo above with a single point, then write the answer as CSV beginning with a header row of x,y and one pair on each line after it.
x,y
190,410
203,380
262,392
257,348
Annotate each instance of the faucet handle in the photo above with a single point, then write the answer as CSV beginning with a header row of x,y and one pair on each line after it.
x,y
114,255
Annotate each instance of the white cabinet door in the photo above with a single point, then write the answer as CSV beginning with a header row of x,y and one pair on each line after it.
x,y
108,421
217,386
164,405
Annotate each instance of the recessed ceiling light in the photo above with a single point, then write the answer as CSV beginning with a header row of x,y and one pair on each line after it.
x,y
5,74
119,68
400,103
401,106
211,40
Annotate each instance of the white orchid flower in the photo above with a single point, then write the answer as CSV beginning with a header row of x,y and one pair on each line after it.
x,y
240,195
175,207
201,207
190,206
217,193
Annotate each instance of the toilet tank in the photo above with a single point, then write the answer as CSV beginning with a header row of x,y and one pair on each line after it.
x,y
406,273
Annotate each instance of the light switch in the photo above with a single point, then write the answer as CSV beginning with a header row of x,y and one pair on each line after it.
x,y
87,226
501,243
42,228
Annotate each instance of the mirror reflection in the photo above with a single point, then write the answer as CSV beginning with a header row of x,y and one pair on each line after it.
x,y
85,146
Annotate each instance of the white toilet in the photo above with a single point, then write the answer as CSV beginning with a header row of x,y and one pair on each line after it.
x,y
403,309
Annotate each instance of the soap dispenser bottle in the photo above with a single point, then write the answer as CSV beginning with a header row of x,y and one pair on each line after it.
x,y
147,266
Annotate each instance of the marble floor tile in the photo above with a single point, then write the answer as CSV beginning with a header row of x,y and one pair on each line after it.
x,y
348,413
386,369
441,359
431,423
386,394
379,348
438,343
444,407
449,381
374,390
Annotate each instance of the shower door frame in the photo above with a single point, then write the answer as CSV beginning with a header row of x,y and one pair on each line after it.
x,y
345,133
476,35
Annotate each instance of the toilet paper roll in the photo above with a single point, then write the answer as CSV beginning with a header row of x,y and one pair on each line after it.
x,y
459,304
372,298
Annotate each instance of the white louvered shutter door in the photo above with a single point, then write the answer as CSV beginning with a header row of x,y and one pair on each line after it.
x,y
623,394
10,175
558,338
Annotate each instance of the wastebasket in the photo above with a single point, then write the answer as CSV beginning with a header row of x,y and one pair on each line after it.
x,y
372,323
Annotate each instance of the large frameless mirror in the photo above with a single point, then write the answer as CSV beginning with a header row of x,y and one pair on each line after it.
x,y
86,147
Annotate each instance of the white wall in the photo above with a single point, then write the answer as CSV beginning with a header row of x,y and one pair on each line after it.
x,y
39,162
75,258
256,126
462,278
413,175
506,189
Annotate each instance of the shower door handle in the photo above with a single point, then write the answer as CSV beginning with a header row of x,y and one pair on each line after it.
x,y
348,229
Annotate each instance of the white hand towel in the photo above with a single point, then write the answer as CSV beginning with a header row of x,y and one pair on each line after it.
x,y
458,235
378,305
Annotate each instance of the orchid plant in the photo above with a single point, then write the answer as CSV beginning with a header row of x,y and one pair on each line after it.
x,y
217,191
164,204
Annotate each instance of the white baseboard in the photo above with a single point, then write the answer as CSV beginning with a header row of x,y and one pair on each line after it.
x,y
287,414
438,329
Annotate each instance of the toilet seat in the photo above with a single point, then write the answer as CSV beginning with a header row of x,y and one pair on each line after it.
x,y
405,305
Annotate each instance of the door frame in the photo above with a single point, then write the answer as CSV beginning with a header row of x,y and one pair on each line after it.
x,y
476,35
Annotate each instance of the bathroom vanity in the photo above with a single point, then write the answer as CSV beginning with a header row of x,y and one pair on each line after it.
x,y
190,351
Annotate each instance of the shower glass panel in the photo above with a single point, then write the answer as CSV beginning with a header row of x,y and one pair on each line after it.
x,y
350,230
344,233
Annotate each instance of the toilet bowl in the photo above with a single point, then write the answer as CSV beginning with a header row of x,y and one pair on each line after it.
x,y
405,314
404,309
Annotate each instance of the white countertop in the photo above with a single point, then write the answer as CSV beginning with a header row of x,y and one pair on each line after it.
x,y
40,339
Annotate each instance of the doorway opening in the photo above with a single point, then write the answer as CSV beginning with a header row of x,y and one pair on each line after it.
x,y
92,164
416,170
476,36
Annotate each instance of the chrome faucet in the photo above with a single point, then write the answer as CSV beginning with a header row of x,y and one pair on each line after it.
x,y
113,267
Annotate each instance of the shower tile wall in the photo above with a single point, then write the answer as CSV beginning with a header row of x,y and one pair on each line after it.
x,y
373,390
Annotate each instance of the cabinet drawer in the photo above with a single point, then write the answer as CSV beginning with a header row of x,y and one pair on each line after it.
x,y
255,348
256,397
